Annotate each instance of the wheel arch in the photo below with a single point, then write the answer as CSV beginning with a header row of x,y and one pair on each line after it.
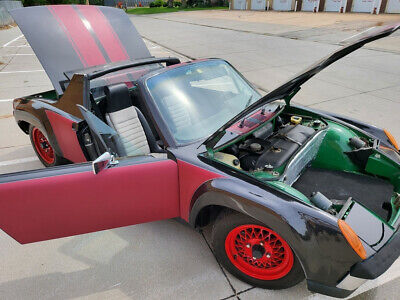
x,y
32,112
313,236
24,126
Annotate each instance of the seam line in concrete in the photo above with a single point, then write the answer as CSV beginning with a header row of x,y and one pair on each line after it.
x,y
168,48
220,266
239,293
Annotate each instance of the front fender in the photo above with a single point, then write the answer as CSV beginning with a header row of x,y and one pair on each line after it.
x,y
313,234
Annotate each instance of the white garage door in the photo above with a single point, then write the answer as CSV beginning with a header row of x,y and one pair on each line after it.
x,y
362,5
258,4
393,6
308,5
282,5
239,4
333,5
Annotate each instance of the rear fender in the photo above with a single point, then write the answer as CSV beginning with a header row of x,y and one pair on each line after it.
x,y
36,112
312,234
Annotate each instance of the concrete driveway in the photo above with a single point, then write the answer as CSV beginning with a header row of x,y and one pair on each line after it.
x,y
167,259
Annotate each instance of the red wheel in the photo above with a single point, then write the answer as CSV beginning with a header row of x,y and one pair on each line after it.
x,y
259,252
254,253
42,146
44,150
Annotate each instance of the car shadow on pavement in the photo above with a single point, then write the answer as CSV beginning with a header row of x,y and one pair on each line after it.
x,y
155,260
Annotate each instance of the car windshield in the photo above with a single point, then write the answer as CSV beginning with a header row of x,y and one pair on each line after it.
x,y
198,98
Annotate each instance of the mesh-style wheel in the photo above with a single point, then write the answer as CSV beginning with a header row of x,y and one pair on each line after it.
x,y
42,146
44,150
255,253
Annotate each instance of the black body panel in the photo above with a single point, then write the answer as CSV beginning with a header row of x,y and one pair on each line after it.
x,y
377,264
313,234
315,238
332,291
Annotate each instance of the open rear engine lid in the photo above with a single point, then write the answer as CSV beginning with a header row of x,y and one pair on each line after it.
x,y
75,37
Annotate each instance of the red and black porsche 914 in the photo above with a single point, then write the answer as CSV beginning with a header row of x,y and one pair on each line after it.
x,y
290,192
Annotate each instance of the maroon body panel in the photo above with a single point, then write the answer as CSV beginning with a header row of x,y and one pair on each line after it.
x,y
66,137
251,122
191,178
78,34
59,206
105,33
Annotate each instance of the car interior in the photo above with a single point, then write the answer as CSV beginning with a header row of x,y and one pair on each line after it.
x,y
118,108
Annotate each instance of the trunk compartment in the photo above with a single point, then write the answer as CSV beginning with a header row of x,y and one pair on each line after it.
x,y
372,192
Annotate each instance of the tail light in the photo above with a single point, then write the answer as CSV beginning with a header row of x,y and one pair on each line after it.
x,y
352,238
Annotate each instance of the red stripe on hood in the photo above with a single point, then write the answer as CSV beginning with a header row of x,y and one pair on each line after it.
x,y
80,36
104,32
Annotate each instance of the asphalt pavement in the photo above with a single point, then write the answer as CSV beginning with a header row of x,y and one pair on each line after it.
x,y
167,259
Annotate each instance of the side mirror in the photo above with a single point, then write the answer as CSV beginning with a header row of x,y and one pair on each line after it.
x,y
103,162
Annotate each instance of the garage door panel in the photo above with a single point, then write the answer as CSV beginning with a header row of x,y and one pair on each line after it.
x,y
333,5
393,6
283,5
362,6
258,4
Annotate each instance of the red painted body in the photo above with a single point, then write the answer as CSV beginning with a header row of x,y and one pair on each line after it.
x,y
81,39
104,32
191,178
53,207
66,137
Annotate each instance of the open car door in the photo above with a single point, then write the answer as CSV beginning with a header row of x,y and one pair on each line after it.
x,y
69,200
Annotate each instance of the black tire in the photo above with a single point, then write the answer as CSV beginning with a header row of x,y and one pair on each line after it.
x,y
228,221
57,160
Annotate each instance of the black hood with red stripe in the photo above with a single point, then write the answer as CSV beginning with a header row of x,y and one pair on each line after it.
x,y
75,37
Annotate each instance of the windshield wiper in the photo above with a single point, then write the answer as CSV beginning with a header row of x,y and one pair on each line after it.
x,y
248,102
247,105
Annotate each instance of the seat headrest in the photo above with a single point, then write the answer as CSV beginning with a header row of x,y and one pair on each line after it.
x,y
118,97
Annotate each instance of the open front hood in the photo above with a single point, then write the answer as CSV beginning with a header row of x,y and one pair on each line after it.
x,y
288,89
73,37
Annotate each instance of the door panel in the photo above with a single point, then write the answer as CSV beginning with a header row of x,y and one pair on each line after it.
x,y
63,205
66,137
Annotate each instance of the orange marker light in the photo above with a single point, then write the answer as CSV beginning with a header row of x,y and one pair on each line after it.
x,y
352,239
391,139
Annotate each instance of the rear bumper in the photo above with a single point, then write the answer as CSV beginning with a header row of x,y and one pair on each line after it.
x,y
368,269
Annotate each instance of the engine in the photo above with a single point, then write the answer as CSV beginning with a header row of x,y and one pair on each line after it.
x,y
270,147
